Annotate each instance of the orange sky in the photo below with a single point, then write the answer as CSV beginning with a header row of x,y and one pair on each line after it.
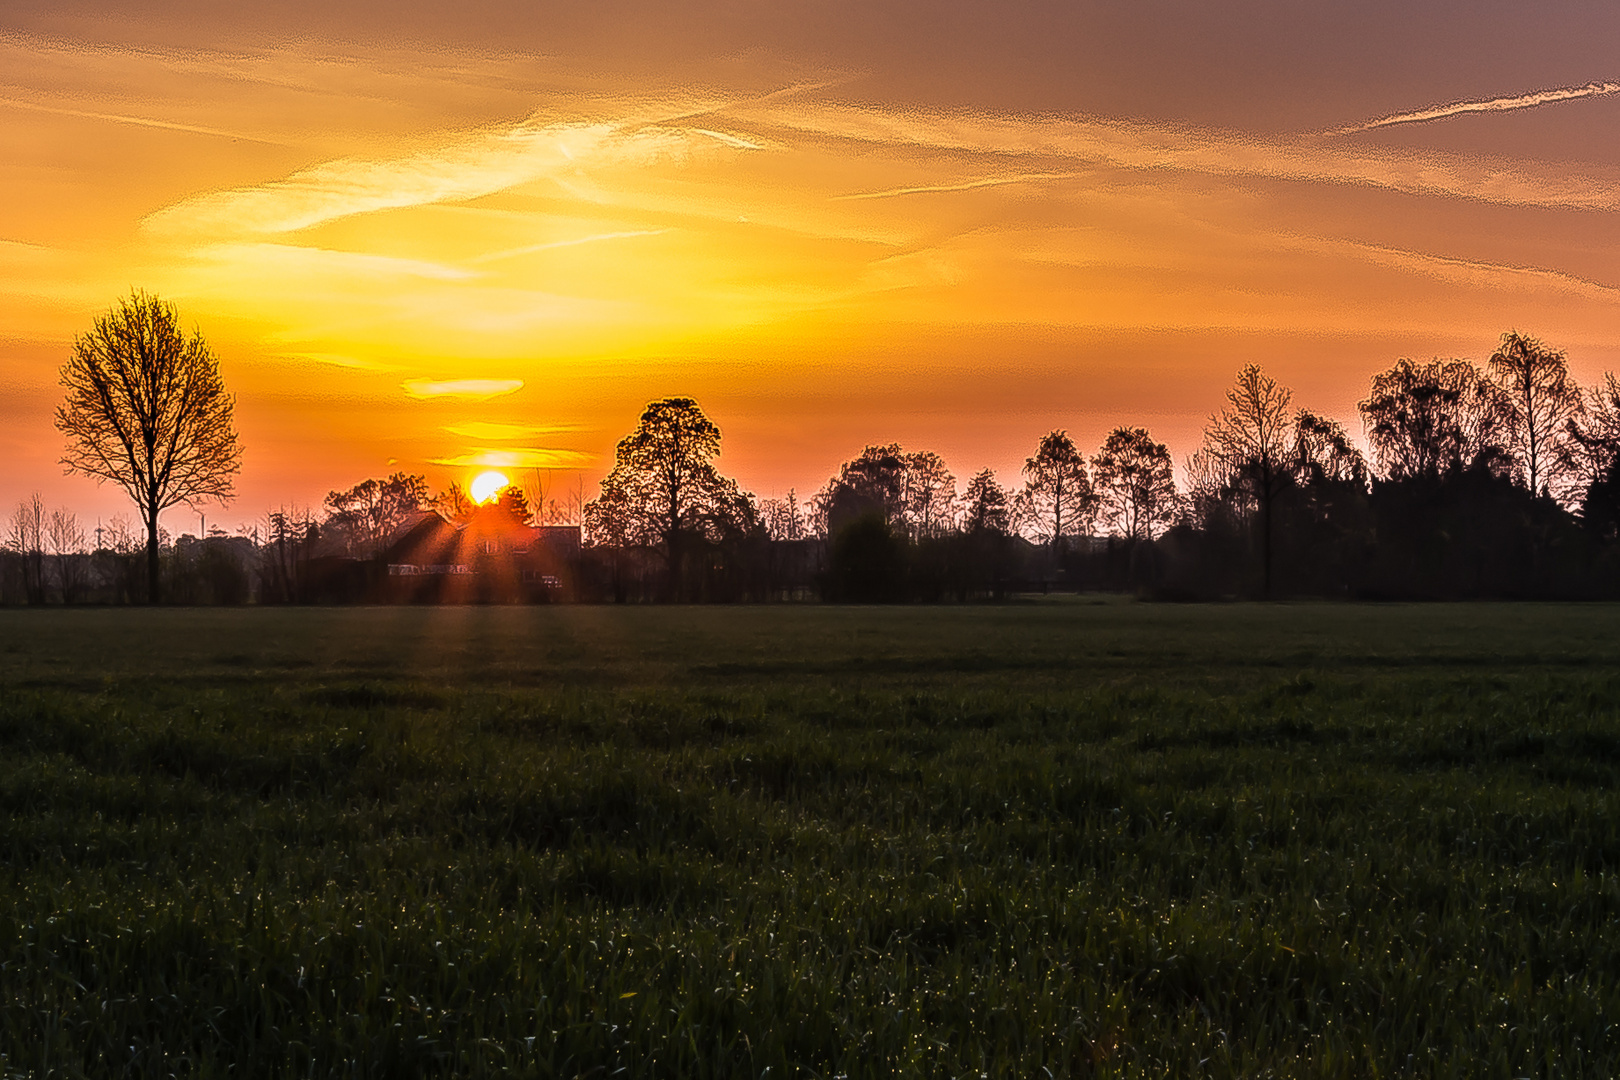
x,y
430,251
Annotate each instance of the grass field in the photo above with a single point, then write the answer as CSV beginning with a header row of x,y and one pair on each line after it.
x,y
1056,838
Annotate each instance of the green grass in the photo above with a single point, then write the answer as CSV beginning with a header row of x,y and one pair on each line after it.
x,y
1090,839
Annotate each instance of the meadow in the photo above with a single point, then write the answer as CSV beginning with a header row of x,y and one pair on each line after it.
x,y
1060,837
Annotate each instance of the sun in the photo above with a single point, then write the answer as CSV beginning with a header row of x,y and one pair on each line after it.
x,y
488,485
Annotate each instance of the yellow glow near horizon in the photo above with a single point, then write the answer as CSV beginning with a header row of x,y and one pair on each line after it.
x,y
457,264
487,486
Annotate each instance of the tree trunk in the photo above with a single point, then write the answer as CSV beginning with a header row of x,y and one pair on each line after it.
x,y
1265,535
677,558
153,594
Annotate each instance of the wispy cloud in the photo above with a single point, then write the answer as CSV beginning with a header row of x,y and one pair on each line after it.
x,y
1475,272
1500,104
490,431
339,360
293,259
528,457
138,121
966,185
1165,148
475,389
490,161
530,249
732,141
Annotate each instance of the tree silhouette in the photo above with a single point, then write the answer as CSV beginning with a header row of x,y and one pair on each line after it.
x,y
784,518
1057,493
929,496
514,502
65,538
1135,483
1427,420
873,483
987,507
664,489
1323,453
453,502
146,409
1248,442
29,524
1593,440
368,513
1540,400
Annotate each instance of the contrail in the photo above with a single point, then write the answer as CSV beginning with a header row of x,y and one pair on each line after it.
x,y
1505,104
967,185
140,121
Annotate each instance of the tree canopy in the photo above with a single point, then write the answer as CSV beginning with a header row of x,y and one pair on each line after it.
x,y
664,490
146,408
1057,499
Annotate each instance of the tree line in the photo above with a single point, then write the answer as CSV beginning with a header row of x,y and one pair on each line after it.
x,y
1484,481
1494,479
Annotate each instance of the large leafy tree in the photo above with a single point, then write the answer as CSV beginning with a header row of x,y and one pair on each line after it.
x,y
986,505
914,493
1135,483
1057,499
873,483
1430,420
369,513
664,490
1323,453
146,408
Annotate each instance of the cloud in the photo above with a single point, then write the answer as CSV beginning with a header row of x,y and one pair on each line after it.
x,y
340,360
1477,273
730,140
527,457
1165,148
1501,104
966,185
491,160
472,389
530,249
306,262
483,429
138,121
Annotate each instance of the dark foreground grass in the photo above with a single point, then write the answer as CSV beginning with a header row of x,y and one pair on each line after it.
x,y
1058,838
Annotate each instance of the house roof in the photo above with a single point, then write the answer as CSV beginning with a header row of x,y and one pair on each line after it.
x,y
432,540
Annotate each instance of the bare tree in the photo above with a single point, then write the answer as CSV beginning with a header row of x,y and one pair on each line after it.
x,y
453,502
1211,502
1248,442
929,496
290,532
784,518
1541,399
1593,437
1057,498
146,408
65,540
26,537
1135,484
